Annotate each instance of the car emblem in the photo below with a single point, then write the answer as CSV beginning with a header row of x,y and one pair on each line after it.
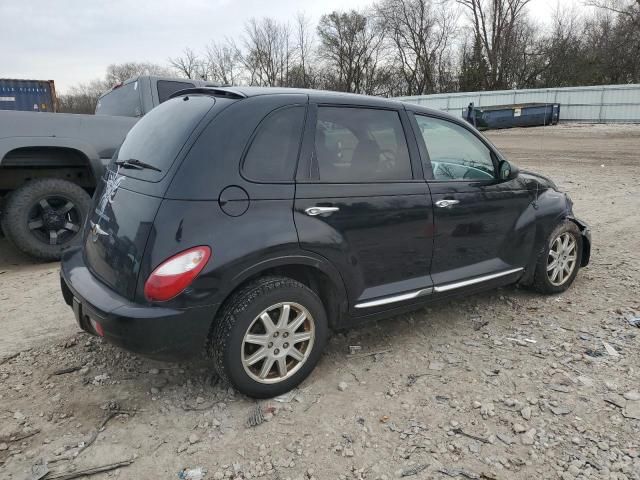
x,y
96,231
112,182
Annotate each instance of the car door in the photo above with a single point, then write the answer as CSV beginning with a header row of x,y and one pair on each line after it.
x,y
361,202
479,232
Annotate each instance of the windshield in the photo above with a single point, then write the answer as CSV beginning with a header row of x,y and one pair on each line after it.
x,y
122,101
156,140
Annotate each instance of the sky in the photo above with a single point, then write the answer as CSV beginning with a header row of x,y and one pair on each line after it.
x,y
72,41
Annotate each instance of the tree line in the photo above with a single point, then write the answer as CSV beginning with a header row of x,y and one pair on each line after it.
x,y
412,47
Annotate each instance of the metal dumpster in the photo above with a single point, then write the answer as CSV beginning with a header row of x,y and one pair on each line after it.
x,y
28,95
507,116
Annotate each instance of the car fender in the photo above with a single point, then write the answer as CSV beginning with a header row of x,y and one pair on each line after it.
x,y
294,258
548,209
585,231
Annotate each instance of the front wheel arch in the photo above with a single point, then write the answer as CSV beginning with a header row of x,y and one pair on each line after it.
x,y
586,241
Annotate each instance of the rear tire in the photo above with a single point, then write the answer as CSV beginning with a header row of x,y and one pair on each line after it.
x,y
45,216
240,336
559,260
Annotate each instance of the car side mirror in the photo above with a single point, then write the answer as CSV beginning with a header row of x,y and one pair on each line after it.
x,y
508,171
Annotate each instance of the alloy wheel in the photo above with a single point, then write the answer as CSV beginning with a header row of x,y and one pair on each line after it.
x,y
54,220
278,342
562,259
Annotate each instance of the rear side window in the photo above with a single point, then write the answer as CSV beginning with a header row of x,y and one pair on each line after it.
x,y
356,145
273,153
160,135
123,101
167,88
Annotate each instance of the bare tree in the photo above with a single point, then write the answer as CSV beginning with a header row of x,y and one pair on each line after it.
x,y
188,65
351,46
612,48
224,63
267,52
498,24
422,36
301,73
563,48
119,72
627,8
83,97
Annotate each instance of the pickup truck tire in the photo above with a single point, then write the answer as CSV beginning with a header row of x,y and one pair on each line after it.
x,y
43,217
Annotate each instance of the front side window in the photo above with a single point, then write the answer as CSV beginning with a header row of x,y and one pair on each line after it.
x,y
455,153
357,145
273,153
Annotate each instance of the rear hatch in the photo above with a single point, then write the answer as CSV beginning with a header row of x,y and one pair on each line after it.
x,y
131,191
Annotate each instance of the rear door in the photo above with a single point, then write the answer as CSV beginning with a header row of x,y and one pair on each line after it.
x,y
361,202
477,217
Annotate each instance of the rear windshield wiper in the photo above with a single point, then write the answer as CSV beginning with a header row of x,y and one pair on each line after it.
x,y
137,164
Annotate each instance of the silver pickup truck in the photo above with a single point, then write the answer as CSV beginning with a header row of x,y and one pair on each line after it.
x,y
50,162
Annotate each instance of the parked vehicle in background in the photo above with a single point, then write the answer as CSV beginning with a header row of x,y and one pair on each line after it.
x,y
50,162
248,221
509,116
28,95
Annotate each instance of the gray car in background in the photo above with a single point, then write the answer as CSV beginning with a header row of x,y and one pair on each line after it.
x,y
50,163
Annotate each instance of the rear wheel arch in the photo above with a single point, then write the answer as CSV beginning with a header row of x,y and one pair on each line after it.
x,y
319,275
25,163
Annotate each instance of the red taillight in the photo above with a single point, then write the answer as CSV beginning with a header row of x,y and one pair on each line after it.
x,y
97,327
172,276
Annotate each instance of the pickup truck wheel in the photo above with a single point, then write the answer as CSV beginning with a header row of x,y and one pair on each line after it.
x,y
269,336
44,216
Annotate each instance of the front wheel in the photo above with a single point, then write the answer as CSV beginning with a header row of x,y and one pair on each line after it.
x,y
559,260
269,336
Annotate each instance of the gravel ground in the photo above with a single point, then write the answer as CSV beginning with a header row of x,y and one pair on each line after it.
x,y
503,385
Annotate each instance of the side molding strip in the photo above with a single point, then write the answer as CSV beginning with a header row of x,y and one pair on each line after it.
x,y
438,289
473,281
396,298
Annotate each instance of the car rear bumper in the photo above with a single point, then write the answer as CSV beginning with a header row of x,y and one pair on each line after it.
x,y
152,331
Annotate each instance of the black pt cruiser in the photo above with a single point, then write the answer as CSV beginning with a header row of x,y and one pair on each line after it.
x,y
247,222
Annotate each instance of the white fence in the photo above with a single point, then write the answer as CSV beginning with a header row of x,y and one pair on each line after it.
x,y
601,104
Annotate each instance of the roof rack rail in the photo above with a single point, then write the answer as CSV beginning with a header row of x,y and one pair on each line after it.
x,y
214,91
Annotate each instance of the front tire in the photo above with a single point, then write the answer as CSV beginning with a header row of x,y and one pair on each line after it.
x,y
559,260
43,217
269,336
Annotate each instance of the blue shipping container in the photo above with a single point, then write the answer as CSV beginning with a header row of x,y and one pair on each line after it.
x,y
28,95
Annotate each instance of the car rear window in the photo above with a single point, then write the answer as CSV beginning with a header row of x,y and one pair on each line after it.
x,y
160,135
123,101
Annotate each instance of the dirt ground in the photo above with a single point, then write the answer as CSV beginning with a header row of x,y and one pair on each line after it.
x,y
503,385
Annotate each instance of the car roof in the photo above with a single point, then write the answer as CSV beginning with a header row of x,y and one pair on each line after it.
x,y
319,96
